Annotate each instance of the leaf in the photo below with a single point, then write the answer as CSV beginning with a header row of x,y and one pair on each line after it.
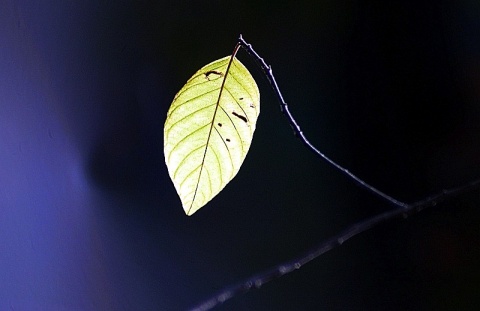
x,y
209,129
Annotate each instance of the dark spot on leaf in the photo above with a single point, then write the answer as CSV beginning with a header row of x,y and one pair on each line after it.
x,y
241,98
228,139
243,118
220,124
252,106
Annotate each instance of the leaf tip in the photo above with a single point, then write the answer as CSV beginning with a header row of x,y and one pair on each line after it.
x,y
189,210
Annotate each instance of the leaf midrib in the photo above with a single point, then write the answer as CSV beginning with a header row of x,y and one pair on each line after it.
x,y
210,131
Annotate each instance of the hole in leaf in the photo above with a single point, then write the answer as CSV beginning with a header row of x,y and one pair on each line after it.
x,y
208,73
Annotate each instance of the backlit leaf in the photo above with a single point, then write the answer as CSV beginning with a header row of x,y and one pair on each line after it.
x,y
209,129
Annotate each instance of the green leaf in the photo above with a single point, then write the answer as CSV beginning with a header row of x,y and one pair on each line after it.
x,y
209,129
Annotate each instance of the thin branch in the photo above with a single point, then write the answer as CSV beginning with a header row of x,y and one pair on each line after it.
x,y
267,70
406,209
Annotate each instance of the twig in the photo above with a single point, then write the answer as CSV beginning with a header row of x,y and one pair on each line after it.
x,y
402,209
267,70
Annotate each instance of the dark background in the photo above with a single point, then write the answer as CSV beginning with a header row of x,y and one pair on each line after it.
x,y
89,219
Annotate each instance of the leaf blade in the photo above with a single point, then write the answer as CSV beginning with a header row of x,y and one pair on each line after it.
x,y
209,130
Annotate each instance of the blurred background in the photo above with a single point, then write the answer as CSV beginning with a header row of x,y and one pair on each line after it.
x,y
89,219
